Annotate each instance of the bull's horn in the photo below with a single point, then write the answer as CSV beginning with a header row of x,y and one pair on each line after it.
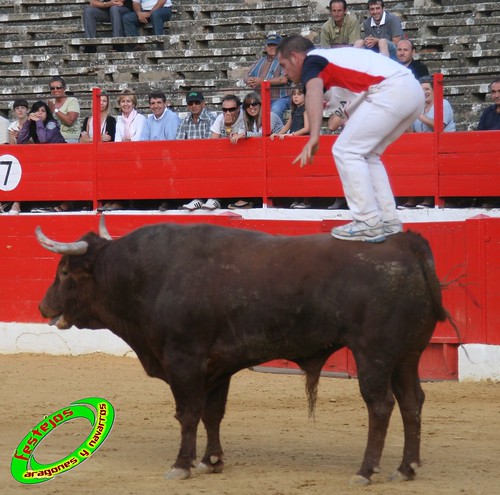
x,y
103,231
79,247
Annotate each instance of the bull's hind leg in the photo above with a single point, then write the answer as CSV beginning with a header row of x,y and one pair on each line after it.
x,y
213,412
374,383
410,397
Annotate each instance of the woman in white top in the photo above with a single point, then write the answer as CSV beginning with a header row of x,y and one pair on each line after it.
x,y
130,123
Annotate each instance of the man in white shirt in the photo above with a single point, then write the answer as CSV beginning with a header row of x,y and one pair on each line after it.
x,y
155,11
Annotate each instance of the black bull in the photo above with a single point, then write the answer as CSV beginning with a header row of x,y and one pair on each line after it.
x,y
199,303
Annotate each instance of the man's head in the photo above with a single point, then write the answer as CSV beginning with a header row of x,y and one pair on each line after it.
x,y
157,103
495,92
20,108
195,102
272,42
291,54
376,9
405,51
230,109
338,10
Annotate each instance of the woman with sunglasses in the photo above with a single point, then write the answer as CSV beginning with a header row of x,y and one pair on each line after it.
x,y
66,109
252,116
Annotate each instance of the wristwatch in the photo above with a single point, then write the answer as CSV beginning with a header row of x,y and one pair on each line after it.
x,y
56,110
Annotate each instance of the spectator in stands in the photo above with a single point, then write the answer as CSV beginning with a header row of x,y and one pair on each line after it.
x,y
155,11
40,126
342,29
296,125
425,123
230,121
66,109
163,123
490,121
490,118
382,30
108,124
20,109
405,51
130,123
252,117
109,11
197,124
267,68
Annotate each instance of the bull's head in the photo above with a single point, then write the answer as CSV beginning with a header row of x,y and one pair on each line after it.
x,y
70,299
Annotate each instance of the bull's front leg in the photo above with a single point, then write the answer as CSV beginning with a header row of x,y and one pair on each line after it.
x,y
213,412
189,401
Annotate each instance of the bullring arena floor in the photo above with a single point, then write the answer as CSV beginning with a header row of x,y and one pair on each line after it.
x,y
271,446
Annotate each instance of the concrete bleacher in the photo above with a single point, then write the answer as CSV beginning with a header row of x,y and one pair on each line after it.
x,y
208,46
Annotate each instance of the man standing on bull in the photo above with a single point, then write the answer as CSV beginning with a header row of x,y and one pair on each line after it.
x,y
381,98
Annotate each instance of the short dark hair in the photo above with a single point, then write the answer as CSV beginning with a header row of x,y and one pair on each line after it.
x,y
157,94
496,80
426,79
231,98
58,79
337,1
20,103
374,2
295,43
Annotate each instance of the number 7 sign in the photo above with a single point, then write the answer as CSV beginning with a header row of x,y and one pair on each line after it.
x,y
10,172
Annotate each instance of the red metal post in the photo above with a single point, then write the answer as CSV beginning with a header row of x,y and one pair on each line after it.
x,y
265,94
96,141
438,128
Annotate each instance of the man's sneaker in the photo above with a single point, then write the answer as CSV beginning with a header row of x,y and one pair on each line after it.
x,y
196,204
211,204
369,231
393,226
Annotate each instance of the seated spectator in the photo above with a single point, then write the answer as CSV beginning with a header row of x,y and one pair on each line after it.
x,y
425,123
252,118
267,68
108,124
230,121
130,123
196,125
296,125
342,29
405,51
490,118
382,30
40,126
490,121
20,108
109,11
155,11
163,123
66,109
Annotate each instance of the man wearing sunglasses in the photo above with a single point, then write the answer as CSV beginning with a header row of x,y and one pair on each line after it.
x,y
230,121
197,124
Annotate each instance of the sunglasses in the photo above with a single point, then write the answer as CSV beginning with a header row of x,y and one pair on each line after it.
x,y
53,88
191,103
229,110
252,104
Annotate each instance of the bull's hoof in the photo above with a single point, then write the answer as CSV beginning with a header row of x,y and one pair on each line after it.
x,y
216,465
357,479
178,474
398,476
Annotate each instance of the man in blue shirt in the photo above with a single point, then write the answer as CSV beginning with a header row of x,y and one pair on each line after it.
x,y
490,118
163,123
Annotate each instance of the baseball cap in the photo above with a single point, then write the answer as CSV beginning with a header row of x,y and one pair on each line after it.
x,y
273,39
20,103
194,96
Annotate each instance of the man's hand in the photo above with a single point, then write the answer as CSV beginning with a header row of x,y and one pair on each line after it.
x,y
307,154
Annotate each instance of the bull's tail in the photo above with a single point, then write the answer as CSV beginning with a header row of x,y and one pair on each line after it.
x,y
312,369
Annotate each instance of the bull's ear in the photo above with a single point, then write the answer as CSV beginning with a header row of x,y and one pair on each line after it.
x,y
69,248
103,231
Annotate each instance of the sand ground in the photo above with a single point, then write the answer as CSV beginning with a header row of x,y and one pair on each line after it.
x,y
271,446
